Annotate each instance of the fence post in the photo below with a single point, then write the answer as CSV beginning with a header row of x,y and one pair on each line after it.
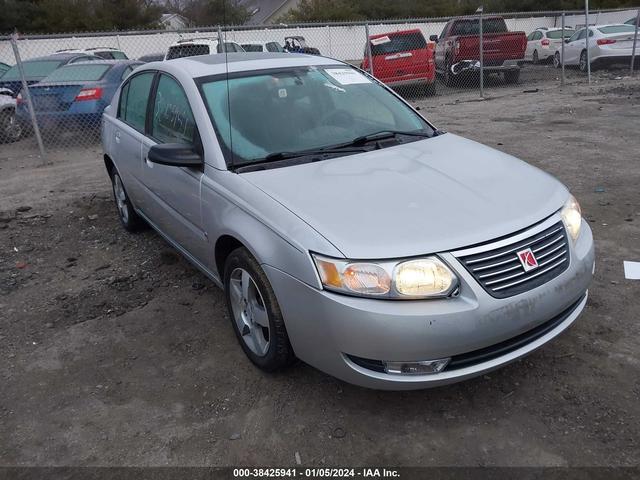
x,y
27,95
635,41
480,10
562,52
587,31
368,44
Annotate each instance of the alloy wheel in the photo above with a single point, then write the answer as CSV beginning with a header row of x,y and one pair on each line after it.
x,y
121,198
249,312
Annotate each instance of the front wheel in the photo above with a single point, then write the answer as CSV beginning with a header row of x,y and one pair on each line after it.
x,y
255,314
536,60
557,63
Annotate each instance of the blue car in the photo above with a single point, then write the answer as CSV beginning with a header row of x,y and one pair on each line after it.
x,y
36,69
74,96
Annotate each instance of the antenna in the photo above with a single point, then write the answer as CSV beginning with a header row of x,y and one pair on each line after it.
x,y
222,44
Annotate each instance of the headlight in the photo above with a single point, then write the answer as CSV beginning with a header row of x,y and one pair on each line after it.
x,y
420,278
572,217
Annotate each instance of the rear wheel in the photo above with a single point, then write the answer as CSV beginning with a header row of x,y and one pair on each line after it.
x,y
430,89
254,312
557,63
10,127
130,220
511,76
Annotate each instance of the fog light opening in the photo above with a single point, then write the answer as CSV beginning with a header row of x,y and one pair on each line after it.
x,y
416,368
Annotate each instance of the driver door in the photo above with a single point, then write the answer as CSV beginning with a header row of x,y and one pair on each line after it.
x,y
574,47
174,192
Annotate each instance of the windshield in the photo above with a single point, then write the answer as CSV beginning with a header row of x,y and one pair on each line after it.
x,y
78,73
33,69
397,43
618,29
556,34
294,110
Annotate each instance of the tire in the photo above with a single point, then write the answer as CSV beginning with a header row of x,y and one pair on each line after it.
x,y
254,313
511,76
11,129
449,78
129,219
583,61
429,89
557,63
535,60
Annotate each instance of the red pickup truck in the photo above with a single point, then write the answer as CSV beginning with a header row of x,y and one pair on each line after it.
x,y
458,48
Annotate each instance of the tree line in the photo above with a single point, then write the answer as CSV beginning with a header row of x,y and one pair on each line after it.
x,y
65,16
357,10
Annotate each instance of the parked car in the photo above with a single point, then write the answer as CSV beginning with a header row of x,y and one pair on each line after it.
x,y
3,68
458,48
74,96
151,57
346,229
297,44
38,68
542,43
402,58
10,128
608,44
190,47
108,53
262,47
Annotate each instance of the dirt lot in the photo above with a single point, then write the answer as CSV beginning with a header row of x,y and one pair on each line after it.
x,y
117,352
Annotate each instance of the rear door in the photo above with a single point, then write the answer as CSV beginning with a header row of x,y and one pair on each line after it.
x,y
574,47
128,134
174,192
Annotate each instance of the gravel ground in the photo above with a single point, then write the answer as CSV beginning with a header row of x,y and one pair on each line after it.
x,y
117,352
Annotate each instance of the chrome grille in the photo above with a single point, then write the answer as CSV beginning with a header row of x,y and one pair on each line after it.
x,y
500,272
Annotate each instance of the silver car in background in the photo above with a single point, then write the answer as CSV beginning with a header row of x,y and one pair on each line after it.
x,y
608,44
345,229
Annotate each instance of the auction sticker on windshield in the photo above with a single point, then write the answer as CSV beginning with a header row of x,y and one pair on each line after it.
x,y
347,76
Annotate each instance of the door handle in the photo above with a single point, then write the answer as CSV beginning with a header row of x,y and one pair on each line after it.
x,y
117,137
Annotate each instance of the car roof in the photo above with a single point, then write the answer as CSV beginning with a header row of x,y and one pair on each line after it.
x,y
396,32
203,65
201,41
59,56
105,62
91,49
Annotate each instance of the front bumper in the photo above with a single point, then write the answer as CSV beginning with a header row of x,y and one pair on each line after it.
x,y
328,330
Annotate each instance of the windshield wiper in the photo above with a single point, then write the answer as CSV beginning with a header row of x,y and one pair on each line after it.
x,y
304,153
383,134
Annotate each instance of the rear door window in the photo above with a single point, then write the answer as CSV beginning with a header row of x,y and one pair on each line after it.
x,y
134,100
397,43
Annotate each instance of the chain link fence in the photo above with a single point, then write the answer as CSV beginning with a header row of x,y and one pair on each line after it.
x,y
56,86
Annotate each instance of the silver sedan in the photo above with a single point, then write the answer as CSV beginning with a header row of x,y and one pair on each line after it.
x,y
346,230
608,44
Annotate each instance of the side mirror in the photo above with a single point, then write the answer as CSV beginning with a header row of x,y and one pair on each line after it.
x,y
175,155
433,38
566,41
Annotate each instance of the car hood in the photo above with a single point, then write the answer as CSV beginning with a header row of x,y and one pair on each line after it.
x,y
427,196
